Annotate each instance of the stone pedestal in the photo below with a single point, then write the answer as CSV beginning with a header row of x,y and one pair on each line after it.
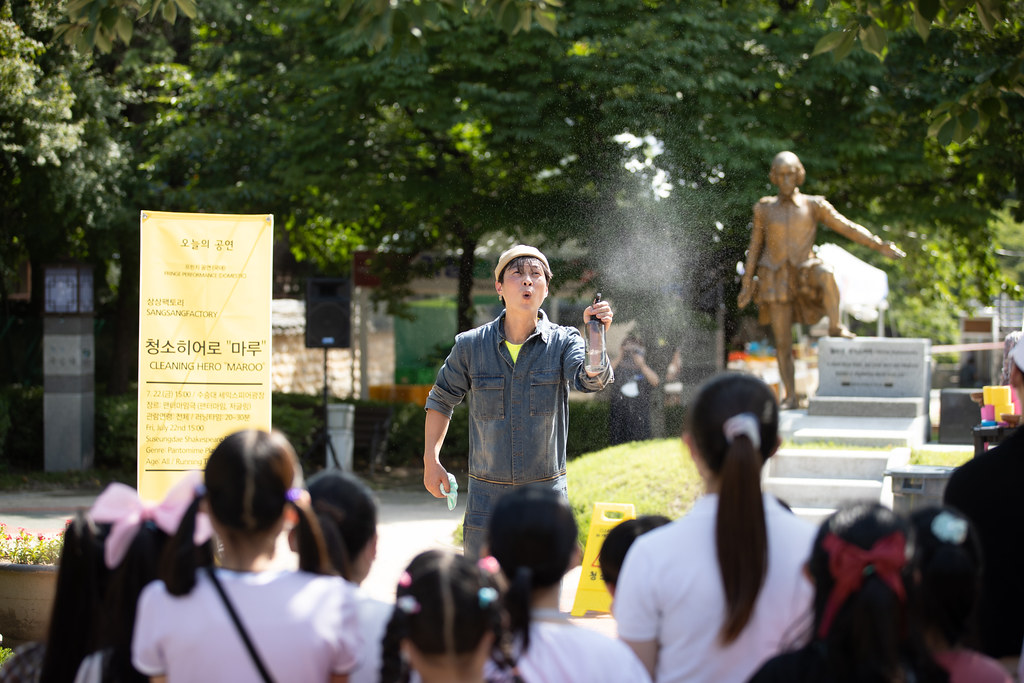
x,y
340,430
874,377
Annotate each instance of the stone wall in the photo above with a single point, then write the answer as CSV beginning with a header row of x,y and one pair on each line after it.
x,y
299,370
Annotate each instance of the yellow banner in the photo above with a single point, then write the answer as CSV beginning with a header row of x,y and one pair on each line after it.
x,y
204,338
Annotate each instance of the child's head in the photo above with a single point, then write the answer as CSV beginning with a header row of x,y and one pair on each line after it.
x,y
617,543
947,573
732,428
858,565
248,479
533,536
447,618
729,406
348,517
251,479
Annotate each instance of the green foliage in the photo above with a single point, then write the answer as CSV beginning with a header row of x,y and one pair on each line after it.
x,y
636,139
588,428
5,654
24,446
116,437
102,23
297,416
405,440
992,26
5,425
675,419
1009,236
657,477
23,547
588,431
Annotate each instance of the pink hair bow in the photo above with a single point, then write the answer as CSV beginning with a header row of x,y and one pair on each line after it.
x,y
120,506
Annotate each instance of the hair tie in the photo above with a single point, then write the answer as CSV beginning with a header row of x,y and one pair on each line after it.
x,y
405,580
949,528
120,506
408,604
489,564
849,564
744,424
294,495
486,595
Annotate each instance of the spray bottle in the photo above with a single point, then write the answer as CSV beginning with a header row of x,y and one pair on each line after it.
x,y
596,355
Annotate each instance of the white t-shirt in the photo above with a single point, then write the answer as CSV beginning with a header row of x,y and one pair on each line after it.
x,y
561,652
303,625
374,616
670,590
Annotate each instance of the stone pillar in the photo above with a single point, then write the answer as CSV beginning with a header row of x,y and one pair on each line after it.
x,y
68,393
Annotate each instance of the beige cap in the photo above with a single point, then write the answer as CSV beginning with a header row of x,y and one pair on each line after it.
x,y
516,252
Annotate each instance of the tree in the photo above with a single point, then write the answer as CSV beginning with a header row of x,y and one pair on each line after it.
x,y
62,164
992,27
438,146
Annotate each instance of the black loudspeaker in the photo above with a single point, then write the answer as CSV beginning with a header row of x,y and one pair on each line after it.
x,y
328,313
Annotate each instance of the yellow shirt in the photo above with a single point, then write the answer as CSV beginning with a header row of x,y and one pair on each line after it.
x,y
513,349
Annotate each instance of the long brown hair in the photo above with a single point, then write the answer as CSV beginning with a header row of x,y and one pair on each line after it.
x,y
741,537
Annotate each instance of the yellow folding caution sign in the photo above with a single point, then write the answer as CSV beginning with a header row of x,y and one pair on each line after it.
x,y
591,594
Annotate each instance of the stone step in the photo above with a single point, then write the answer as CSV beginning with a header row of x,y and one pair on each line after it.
x,y
820,492
820,463
862,406
865,432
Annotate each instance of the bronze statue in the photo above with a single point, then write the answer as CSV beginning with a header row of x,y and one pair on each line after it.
x,y
793,285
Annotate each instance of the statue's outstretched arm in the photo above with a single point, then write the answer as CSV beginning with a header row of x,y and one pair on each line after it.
x,y
827,214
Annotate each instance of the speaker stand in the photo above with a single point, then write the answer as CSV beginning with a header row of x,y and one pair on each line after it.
x,y
322,438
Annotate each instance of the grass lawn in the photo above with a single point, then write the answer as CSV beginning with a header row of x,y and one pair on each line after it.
x,y
657,477
923,456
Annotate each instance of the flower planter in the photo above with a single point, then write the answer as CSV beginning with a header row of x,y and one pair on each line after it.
x,y
26,600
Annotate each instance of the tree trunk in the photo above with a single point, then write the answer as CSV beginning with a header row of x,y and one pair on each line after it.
x,y
124,365
465,294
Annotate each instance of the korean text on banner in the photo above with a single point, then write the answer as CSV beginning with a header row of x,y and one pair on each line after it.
x,y
204,338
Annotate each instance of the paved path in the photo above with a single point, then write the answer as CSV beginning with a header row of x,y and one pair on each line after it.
x,y
410,522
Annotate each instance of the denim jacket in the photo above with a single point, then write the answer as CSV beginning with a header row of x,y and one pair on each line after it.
x,y
518,412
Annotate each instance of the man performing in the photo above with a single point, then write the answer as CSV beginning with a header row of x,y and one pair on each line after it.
x,y
793,284
517,370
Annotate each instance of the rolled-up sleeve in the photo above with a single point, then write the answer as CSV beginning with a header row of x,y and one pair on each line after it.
x,y
573,361
452,382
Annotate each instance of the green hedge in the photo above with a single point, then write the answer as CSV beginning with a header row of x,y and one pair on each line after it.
x,y
117,426
23,447
298,416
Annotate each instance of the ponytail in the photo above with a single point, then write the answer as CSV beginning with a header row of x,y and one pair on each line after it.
x,y
741,536
393,668
182,557
517,603
313,556
331,518
733,424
